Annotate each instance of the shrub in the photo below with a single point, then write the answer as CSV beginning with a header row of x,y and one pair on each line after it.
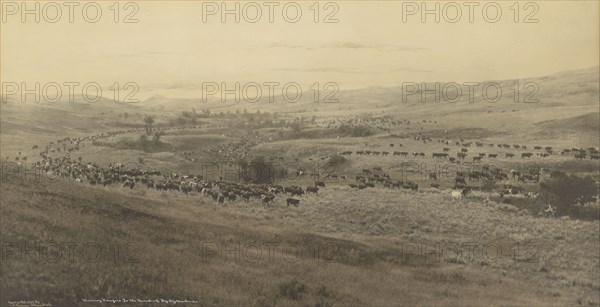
x,y
565,192
257,170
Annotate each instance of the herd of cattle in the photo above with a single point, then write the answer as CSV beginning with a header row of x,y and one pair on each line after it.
x,y
220,191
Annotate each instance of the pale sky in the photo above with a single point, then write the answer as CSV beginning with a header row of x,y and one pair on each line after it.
x,y
171,51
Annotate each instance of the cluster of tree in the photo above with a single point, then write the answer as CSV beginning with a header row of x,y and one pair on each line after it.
x,y
257,170
568,194
146,143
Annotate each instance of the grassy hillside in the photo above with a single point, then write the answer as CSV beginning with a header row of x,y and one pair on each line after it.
x,y
366,237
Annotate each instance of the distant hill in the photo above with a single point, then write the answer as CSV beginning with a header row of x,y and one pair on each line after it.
x,y
563,98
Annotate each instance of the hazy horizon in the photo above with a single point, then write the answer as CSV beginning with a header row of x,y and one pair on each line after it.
x,y
168,51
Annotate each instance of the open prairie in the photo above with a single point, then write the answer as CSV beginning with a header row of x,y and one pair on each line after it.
x,y
299,153
202,213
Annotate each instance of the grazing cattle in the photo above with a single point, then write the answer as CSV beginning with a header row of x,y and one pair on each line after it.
x,y
510,155
312,190
292,201
477,158
409,185
319,184
221,199
268,199
492,155
460,180
526,155
291,189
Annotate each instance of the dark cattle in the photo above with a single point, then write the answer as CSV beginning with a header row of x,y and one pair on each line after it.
x,y
268,199
319,184
466,191
292,201
312,190
460,180
221,199
526,155
409,185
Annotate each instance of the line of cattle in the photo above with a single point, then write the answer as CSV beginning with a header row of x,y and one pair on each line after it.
x,y
578,153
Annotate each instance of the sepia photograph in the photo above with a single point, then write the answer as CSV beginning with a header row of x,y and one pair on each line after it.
x,y
299,153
